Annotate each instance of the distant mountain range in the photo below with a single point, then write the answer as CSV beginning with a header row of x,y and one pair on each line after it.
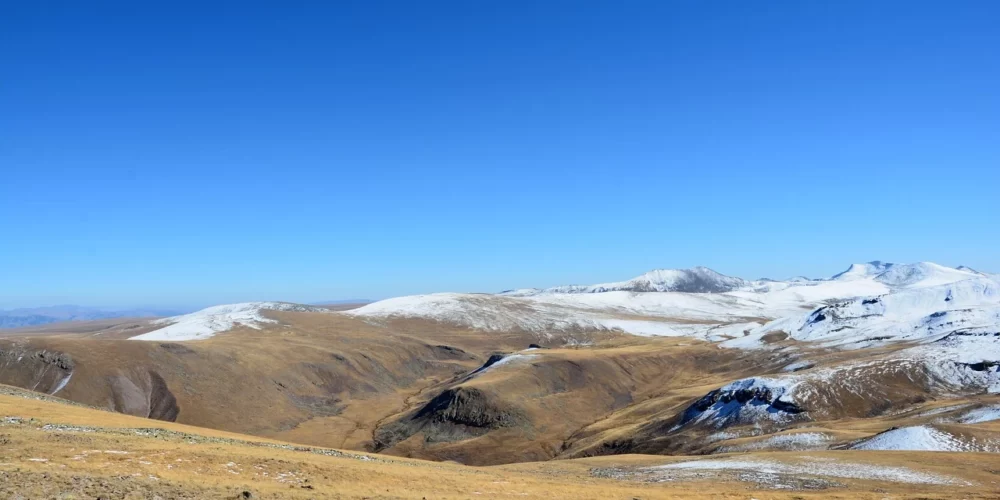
x,y
340,302
705,280
35,316
694,280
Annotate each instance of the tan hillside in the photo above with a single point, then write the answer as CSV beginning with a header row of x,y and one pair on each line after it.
x,y
52,449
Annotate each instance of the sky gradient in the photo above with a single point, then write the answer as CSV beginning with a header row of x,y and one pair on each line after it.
x,y
182,155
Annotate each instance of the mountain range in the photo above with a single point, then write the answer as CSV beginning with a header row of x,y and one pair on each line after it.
x,y
36,316
690,362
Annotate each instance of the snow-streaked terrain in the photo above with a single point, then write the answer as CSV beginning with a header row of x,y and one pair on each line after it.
x,y
799,441
951,316
867,305
718,315
746,401
208,322
956,364
947,321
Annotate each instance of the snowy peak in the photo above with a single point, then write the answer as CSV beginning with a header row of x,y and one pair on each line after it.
x,y
705,280
865,270
923,274
694,280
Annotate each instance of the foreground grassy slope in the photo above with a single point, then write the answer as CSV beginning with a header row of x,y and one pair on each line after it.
x,y
49,449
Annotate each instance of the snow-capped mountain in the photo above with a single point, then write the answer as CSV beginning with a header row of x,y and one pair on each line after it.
x,y
923,302
866,305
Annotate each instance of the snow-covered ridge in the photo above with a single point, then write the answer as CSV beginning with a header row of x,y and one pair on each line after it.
x,y
207,322
694,280
719,307
705,280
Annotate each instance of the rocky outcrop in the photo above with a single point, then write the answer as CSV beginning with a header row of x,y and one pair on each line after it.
x,y
454,414
756,396
144,394
39,370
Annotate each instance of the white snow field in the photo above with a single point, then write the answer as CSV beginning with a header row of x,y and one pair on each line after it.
x,y
815,467
979,415
924,438
208,322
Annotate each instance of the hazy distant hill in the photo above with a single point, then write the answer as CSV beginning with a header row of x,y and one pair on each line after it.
x,y
17,318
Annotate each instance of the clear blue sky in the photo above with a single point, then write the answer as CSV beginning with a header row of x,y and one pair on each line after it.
x,y
183,154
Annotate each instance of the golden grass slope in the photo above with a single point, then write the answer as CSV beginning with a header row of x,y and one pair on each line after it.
x,y
53,450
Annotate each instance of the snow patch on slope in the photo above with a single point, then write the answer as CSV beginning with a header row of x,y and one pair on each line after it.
x,y
208,322
925,438
512,359
980,415
826,468
62,384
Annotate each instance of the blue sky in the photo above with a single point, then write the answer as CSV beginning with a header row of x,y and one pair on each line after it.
x,y
181,154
